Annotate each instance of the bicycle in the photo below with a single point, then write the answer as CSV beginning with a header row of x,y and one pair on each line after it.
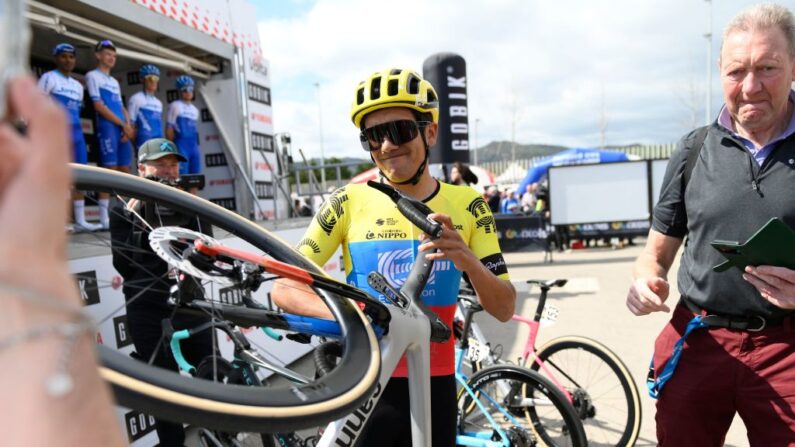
x,y
231,407
593,378
532,407
351,388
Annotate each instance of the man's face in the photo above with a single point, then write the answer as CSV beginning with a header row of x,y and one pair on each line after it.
x,y
65,62
150,83
756,72
399,163
106,58
186,95
165,167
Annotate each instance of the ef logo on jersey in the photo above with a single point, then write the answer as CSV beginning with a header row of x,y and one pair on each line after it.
x,y
396,265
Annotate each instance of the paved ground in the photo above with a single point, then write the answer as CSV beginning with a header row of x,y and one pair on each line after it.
x,y
592,304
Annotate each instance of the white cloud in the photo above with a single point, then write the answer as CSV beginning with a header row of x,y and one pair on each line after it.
x,y
552,58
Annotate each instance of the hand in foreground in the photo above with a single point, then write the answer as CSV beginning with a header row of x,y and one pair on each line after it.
x,y
450,245
647,295
775,284
33,180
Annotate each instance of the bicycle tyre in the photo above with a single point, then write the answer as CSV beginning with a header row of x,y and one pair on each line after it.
x,y
573,361
568,429
228,407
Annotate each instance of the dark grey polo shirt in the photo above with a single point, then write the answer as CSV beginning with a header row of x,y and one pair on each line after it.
x,y
722,203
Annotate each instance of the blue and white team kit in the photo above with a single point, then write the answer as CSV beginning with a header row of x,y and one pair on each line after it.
x,y
183,117
146,113
105,89
69,92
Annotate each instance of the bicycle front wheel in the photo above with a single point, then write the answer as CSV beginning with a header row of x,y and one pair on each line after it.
x,y
523,404
603,391
104,258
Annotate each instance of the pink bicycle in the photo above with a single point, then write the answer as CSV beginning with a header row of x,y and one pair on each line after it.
x,y
596,381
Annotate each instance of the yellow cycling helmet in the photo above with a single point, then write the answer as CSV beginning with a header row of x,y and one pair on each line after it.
x,y
394,87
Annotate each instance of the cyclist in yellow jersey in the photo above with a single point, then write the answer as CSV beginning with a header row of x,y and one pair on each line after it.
x,y
397,113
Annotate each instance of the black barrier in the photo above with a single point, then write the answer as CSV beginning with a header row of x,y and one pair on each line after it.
x,y
524,233
630,228
521,233
447,73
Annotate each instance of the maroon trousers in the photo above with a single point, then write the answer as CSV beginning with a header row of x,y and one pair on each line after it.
x,y
721,372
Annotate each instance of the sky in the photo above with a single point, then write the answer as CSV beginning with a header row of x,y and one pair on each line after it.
x,y
568,73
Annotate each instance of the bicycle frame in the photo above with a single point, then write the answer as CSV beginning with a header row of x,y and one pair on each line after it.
x,y
534,325
482,439
530,350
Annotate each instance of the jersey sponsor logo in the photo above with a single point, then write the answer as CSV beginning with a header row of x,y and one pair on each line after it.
x,y
331,211
478,207
87,284
495,263
122,335
307,242
138,425
487,223
395,266
483,217
386,234
389,221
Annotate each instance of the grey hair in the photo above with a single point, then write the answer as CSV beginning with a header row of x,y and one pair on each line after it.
x,y
764,16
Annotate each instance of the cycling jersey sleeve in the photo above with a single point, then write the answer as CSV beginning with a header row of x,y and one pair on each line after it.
x,y
483,240
93,87
327,229
173,114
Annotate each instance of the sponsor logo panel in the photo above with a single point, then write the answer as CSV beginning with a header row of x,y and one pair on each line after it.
x,y
87,285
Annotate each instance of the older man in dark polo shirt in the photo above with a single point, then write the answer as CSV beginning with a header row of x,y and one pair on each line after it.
x,y
742,359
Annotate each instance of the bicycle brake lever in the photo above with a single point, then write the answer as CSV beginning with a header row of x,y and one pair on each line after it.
x,y
380,284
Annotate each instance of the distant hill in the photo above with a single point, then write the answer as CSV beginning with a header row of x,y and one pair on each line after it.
x,y
494,151
501,150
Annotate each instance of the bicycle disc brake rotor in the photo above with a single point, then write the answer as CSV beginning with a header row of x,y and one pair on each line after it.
x,y
174,244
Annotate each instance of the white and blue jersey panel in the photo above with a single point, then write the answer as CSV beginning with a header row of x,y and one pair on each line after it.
x,y
146,113
394,260
105,89
69,93
183,118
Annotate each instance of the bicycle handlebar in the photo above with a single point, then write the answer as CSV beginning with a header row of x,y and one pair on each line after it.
x,y
414,210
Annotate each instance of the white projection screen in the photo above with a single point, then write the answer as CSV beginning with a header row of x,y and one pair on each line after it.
x,y
609,192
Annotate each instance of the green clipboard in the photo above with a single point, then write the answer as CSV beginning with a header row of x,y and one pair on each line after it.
x,y
773,244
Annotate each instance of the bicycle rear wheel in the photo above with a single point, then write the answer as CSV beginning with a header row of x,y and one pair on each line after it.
x,y
525,404
604,392
167,394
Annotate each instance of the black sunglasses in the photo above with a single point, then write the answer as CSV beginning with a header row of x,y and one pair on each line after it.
x,y
398,132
